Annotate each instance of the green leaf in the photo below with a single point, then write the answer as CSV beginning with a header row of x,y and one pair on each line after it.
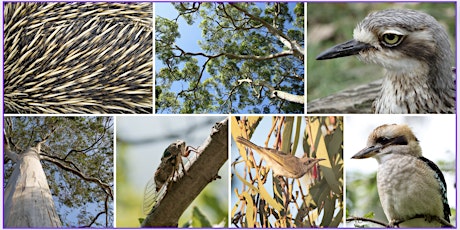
x,y
141,220
198,219
369,215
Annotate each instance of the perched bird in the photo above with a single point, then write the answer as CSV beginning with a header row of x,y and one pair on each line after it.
x,y
415,52
282,164
412,189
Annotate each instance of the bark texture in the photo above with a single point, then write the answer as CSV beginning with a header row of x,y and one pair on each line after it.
x,y
28,200
355,100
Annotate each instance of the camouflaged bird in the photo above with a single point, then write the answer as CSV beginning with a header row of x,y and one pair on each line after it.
x,y
282,164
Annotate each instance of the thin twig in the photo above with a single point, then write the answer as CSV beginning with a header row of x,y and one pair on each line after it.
x,y
357,218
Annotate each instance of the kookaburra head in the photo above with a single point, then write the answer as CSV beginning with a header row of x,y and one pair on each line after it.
x,y
414,50
388,139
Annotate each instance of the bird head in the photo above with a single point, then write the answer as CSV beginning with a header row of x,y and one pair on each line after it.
x,y
310,161
390,139
400,40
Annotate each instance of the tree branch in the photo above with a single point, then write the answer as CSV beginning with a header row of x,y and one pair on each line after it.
x,y
357,218
94,220
58,162
186,10
6,148
237,27
202,170
443,222
260,58
237,56
90,147
274,93
285,39
396,223
106,211
356,100
288,96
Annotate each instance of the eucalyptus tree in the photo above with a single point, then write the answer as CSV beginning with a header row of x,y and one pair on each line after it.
x,y
60,167
250,58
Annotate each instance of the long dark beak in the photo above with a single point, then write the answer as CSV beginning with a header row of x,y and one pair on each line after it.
x,y
348,48
367,152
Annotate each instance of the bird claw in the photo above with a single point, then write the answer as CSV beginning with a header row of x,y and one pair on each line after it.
x,y
429,218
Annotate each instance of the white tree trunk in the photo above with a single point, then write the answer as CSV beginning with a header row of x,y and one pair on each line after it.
x,y
28,200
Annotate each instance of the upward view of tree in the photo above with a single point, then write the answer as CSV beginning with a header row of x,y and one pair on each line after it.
x,y
250,58
77,157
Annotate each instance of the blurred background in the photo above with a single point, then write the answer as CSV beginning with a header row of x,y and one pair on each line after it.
x,y
437,138
329,24
141,142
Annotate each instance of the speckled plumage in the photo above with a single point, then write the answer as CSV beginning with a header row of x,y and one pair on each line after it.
x,y
415,52
408,184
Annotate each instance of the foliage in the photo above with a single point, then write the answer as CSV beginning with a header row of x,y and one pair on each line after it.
x,y
362,198
316,200
194,217
332,23
247,51
83,146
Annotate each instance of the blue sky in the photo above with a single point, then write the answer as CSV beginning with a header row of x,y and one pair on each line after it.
x,y
190,35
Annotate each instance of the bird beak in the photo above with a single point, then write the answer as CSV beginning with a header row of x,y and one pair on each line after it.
x,y
367,152
309,160
348,48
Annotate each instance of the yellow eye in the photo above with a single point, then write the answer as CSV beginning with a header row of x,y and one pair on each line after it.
x,y
391,39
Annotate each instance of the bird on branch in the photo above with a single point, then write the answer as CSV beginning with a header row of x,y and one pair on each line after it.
x,y
282,164
412,189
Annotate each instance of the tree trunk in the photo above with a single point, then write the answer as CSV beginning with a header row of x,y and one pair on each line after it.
x,y
28,200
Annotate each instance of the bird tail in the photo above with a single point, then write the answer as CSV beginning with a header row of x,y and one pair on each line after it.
x,y
246,142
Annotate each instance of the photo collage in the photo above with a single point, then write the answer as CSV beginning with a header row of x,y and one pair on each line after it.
x,y
229,114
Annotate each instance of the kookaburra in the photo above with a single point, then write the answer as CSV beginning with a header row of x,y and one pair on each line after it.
x,y
415,52
412,189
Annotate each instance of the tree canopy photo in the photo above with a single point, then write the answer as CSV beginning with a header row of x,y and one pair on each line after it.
x,y
229,57
58,172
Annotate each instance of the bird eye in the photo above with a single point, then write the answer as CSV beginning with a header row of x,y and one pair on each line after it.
x,y
391,39
383,140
